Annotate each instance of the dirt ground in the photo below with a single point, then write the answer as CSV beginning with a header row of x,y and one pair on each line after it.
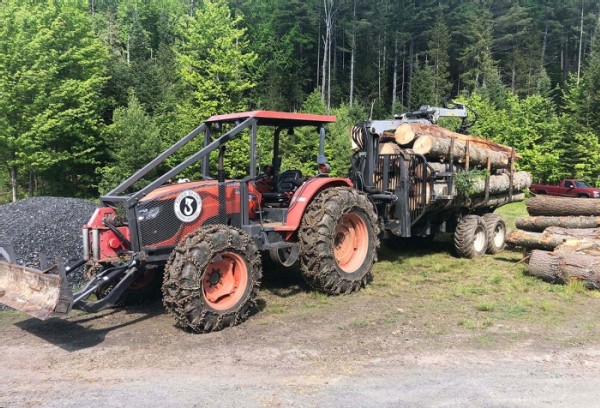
x,y
305,357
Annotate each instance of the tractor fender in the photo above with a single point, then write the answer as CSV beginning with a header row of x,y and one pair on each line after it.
x,y
303,197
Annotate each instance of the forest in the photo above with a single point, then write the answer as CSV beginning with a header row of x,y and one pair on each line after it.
x,y
91,90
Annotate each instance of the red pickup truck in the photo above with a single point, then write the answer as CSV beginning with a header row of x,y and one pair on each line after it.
x,y
567,188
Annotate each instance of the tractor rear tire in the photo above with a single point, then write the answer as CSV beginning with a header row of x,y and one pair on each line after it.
x,y
212,279
338,241
496,232
470,237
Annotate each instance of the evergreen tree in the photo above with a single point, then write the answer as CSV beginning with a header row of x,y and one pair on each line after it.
x,y
133,140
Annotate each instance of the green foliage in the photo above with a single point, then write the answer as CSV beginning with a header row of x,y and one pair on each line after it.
x,y
133,140
465,181
52,69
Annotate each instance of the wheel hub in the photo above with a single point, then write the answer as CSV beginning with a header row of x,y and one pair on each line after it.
x,y
215,277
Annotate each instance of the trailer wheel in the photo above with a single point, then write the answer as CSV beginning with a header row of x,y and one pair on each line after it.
x,y
496,232
470,237
212,278
338,241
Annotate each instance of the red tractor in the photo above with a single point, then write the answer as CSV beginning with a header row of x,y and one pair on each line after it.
x,y
202,241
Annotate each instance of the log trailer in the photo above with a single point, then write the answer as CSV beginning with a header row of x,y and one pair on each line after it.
x,y
200,243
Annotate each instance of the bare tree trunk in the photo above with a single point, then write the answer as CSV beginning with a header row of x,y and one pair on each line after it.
x,y
395,74
328,6
544,42
13,183
352,53
580,45
31,186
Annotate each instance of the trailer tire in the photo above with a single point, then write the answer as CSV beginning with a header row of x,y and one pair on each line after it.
x,y
338,241
212,279
496,232
470,237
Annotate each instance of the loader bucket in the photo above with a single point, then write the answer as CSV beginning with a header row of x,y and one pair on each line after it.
x,y
37,293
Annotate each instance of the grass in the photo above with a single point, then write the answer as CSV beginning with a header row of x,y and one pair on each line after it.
x,y
445,295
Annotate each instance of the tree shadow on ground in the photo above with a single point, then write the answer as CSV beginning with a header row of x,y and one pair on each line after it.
x,y
72,335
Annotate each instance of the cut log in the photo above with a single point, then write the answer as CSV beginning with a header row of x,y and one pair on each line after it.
x,y
389,148
540,223
589,248
563,267
409,132
500,183
404,134
553,237
439,149
492,201
560,206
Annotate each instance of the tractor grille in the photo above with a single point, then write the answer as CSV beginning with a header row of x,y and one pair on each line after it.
x,y
166,218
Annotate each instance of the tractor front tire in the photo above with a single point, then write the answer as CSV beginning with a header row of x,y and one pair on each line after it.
x,y
338,241
212,279
470,237
496,233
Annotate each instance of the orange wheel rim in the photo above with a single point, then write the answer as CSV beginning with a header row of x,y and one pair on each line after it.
x,y
351,241
225,280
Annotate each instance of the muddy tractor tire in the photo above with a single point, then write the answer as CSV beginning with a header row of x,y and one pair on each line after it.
x,y
338,241
470,237
496,233
212,279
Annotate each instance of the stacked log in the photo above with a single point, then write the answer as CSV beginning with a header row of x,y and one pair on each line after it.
x,y
449,152
564,236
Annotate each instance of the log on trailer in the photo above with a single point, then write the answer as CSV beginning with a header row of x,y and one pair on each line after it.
x,y
501,183
443,149
407,133
552,237
561,206
563,267
540,223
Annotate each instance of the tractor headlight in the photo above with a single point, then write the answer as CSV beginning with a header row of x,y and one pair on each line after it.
x,y
147,214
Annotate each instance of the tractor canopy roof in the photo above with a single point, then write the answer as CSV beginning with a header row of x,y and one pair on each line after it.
x,y
274,118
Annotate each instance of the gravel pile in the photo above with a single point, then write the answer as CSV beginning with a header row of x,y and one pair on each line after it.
x,y
51,225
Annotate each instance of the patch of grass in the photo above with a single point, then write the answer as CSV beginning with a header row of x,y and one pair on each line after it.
x,y
486,306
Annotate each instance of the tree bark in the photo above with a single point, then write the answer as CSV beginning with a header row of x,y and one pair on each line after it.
x,y
440,149
560,206
563,267
13,183
407,133
553,237
500,183
540,223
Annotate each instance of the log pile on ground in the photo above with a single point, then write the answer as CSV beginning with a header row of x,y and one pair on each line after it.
x,y
563,235
489,166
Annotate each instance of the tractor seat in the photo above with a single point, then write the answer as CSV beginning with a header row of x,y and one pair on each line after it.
x,y
287,182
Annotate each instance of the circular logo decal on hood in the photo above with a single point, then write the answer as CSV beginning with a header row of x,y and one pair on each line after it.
x,y
188,206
